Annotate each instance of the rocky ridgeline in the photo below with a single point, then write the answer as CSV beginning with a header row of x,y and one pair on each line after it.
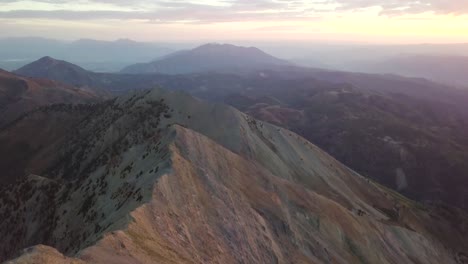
x,y
161,177
104,170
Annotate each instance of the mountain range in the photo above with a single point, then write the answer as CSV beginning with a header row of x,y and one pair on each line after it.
x,y
413,129
225,165
156,176
441,63
91,54
449,69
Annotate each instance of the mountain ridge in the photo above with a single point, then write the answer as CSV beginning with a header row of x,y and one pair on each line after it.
x,y
161,176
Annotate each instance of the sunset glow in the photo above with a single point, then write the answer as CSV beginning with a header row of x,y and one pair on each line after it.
x,y
325,20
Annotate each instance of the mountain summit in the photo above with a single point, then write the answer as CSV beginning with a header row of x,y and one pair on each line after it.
x,y
57,70
159,177
209,58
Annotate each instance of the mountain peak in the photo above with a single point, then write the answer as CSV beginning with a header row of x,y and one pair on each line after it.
x,y
125,40
211,57
216,44
227,47
49,60
58,70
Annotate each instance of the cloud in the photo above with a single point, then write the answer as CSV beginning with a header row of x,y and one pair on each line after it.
x,y
400,7
211,11
176,16
172,11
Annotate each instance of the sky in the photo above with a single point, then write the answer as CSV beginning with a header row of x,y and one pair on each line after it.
x,y
354,21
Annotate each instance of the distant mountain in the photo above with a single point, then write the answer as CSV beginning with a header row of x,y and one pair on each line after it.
x,y
101,83
119,50
96,55
159,177
210,58
349,56
19,95
58,70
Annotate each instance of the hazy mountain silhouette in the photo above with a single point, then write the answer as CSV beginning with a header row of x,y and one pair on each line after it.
x,y
209,58
447,69
96,55
58,70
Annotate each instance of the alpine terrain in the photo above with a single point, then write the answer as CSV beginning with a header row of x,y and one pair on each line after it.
x,y
161,177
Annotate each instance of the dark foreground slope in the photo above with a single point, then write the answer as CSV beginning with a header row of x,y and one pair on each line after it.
x,y
157,177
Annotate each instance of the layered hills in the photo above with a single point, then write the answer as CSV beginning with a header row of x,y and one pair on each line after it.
x,y
449,69
161,177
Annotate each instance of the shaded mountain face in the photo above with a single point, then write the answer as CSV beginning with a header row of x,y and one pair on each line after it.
x,y
209,58
158,177
19,95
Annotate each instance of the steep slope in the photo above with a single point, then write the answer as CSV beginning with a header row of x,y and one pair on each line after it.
x,y
209,58
19,95
157,177
418,147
